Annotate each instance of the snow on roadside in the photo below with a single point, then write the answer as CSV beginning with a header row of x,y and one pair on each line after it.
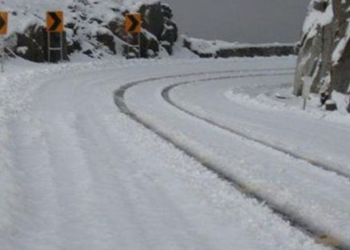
x,y
280,98
15,91
17,84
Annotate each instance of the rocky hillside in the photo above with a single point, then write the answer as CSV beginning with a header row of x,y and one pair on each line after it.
x,y
92,27
325,48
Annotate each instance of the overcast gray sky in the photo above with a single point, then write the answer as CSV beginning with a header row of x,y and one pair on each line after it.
x,y
253,21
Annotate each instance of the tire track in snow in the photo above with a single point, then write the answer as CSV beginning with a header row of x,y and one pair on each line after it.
x,y
296,222
313,161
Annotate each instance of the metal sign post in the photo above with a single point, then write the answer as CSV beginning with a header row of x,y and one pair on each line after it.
x,y
60,48
3,32
55,25
139,43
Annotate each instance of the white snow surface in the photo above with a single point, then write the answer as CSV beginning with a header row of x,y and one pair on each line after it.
x,y
76,173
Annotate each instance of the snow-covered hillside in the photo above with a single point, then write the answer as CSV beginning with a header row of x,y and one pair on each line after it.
x,y
94,28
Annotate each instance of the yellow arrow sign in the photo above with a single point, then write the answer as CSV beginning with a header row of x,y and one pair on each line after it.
x,y
54,21
133,23
3,23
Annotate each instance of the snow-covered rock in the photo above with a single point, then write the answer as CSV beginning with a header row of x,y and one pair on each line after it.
x,y
325,47
92,27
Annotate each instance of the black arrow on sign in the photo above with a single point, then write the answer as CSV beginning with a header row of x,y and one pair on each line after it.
x,y
2,22
57,21
135,23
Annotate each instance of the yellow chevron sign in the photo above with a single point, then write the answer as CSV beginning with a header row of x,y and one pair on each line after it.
x,y
3,23
133,23
54,21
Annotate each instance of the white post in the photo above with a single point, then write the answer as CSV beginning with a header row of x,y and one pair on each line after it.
x,y
61,43
307,82
138,43
50,49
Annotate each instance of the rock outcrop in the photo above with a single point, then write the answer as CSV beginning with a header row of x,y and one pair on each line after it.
x,y
324,50
32,45
159,29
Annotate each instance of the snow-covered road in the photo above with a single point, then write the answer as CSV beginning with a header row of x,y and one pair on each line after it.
x,y
77,172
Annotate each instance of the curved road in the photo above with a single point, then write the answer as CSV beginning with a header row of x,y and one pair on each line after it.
x,y
84,175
